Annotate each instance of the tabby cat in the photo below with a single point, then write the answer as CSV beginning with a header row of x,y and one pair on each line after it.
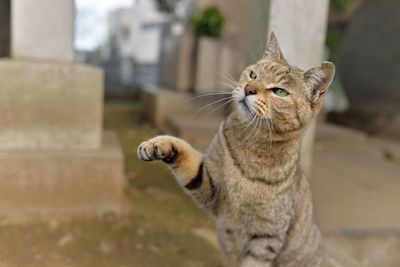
x,y
249,180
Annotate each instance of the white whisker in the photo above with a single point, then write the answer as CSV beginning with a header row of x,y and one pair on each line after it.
x,y
251,122
247,118
215,102
228,79
215,109
232,86
259,128
270,133
230,105
255,126
208,94
252,55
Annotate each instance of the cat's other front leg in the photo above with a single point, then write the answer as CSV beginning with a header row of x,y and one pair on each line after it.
x,y
185,162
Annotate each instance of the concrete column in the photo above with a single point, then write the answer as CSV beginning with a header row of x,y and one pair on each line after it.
x,y
42,29
301,29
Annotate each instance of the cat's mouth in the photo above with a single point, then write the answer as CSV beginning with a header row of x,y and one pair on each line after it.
x,y
245,105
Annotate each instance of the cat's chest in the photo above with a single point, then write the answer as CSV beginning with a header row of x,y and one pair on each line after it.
x,y
253,205
242,193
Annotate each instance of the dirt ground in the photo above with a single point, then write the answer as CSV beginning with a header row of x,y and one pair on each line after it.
x,y
161,227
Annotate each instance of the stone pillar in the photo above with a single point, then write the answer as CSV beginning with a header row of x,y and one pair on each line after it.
x,y
207,64
42,29
55,158
301,28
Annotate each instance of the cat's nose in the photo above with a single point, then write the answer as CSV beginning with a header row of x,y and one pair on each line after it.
x,y
250,90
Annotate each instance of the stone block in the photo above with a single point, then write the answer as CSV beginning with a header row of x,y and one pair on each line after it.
x,y
196,131
185,63
355,188
52,183
231,64
42,29
207,65
158,103
50,105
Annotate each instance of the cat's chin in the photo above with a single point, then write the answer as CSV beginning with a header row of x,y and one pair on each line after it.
x,y
244,109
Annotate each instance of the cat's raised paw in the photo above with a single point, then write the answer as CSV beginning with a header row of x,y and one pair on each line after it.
x,y
158,148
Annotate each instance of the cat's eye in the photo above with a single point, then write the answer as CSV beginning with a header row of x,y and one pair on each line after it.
x,y
253,75
280,92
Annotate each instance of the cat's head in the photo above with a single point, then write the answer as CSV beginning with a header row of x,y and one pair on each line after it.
x,y
286,96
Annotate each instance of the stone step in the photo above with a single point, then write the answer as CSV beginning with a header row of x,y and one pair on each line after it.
x,y
198,131
327,133
369,250
58,183
355,187
160,103
50,105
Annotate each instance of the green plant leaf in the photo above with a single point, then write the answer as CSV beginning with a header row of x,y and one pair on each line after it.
x,y
208,22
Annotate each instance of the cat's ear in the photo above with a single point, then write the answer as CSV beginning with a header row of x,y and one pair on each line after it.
x,y
273,51
319,79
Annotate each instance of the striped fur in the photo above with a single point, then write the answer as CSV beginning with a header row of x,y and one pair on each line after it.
x,y
251,184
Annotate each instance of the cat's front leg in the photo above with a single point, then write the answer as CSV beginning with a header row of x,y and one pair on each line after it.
x,y
185,162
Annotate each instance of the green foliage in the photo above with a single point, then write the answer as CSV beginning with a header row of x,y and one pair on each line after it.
x,y
335,34
166,6
208,22
333,39
338,7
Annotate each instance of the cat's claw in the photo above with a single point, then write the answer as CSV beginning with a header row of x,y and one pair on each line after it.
x,y
157,148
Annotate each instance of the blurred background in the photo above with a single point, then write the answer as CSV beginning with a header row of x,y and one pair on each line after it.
x,y
83,82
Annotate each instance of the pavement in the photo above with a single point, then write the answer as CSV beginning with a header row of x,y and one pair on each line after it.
x,y
356,190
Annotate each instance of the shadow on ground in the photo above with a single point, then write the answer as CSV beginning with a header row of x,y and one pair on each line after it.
x,y
161,227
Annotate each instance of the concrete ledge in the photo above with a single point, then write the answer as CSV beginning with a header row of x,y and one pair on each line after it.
x,y
159,102
50,183
50,105
197,131
355,186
